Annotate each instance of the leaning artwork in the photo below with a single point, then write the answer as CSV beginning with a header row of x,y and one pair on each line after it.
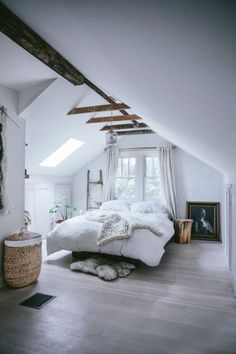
x,y
206,221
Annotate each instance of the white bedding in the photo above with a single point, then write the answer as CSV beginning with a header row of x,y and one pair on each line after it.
x,y
80,234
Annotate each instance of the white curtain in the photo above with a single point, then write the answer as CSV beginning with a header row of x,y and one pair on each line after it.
x,y
112,163
167,178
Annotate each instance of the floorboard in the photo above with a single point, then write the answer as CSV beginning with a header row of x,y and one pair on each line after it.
x,y
185,305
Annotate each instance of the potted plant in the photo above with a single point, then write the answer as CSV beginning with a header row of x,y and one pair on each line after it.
x,y
63,210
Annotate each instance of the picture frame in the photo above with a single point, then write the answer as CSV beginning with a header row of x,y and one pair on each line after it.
x,y
206,220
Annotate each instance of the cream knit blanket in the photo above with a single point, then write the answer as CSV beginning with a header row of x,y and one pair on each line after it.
x,y
117,227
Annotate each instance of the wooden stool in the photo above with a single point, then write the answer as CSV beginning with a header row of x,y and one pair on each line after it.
x,y
183,230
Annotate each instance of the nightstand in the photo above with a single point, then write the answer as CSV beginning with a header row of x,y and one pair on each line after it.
x,y
183,229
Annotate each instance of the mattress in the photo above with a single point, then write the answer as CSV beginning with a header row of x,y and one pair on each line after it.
x,y
79,234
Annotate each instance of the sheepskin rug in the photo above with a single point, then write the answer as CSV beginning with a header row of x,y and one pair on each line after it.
x,y
104,267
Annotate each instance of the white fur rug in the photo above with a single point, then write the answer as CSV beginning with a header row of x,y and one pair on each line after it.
x,y
104,267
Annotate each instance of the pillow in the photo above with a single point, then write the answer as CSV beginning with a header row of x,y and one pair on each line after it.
x,y
115,205
147,207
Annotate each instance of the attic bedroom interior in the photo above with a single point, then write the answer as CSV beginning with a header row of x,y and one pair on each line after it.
x,y
118,177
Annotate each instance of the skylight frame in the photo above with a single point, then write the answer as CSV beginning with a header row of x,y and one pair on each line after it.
x,y
62,153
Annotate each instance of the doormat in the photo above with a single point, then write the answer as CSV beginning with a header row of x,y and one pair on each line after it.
x,y
37,301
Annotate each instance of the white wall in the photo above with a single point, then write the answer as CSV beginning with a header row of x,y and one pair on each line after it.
x,y
50,180
230,228
79,180
14,177
195,180
232,220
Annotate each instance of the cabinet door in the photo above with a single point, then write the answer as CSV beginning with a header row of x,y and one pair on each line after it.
x,y
44,201
38,201
30,194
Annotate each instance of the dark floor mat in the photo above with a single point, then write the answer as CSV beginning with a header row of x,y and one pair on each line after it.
x,y
37,301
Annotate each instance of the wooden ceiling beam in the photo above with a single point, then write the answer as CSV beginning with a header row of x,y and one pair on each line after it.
x,y
99,108
23,35
14,28
124,126
135,132
113,118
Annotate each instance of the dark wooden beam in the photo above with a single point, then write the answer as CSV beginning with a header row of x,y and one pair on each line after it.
x,y
113,118
135,132
23,35
124,126
100,108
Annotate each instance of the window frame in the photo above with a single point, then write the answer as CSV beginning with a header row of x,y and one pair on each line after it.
x,y
122,156
145,177
140,174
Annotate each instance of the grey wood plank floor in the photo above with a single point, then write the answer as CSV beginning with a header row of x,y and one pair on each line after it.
x,y
185,305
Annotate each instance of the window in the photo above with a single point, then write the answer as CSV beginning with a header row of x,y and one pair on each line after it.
x,y
126,178
62,153
152,183
138,177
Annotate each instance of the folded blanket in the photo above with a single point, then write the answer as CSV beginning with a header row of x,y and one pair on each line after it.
x,y
97,216
120,227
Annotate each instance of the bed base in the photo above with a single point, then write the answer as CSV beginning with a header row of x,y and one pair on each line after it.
x,y
83,255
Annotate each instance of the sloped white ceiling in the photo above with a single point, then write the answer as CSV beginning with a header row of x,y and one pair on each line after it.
x,y
19,70
48,127
173,62
44,100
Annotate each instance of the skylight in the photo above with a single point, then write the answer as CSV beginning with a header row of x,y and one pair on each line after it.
x,y
62,153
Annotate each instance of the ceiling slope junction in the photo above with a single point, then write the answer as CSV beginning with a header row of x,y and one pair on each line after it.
x,y
174,63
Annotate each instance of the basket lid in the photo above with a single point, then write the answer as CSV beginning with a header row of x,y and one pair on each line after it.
x,y
24,234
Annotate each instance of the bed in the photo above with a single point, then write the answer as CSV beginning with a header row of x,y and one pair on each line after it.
x,y
81,233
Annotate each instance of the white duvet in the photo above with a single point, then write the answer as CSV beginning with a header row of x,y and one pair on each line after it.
x,y
80,234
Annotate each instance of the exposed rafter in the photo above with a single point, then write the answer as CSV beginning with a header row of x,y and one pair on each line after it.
x,y
23,35
124,126
99,108
102,94
113,118
135,132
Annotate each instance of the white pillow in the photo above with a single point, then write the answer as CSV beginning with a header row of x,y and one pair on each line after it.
x,y
147,207
115,205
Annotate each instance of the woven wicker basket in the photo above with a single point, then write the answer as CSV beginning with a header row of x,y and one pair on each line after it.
x,y
22,258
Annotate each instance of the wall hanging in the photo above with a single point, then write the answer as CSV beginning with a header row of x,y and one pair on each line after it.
x,y
3,119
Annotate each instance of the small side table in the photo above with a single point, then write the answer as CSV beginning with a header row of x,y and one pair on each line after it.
x,y
183,230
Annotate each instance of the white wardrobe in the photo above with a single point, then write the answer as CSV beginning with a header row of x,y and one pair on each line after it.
x,y
39,198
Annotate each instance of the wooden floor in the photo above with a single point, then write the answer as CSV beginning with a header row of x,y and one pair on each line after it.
x,y
184,306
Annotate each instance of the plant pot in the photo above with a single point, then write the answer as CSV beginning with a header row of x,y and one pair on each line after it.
x,y
59,221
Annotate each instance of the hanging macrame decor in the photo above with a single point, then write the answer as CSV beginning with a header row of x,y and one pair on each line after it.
x,y
111,138
4,202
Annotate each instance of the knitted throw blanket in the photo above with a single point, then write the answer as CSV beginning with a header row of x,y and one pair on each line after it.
x,y
117,227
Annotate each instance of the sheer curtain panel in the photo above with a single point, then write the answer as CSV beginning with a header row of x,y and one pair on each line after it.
x,y
112,163
167,178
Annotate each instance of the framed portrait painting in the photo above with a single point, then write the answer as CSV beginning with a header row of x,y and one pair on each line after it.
x,y
206,220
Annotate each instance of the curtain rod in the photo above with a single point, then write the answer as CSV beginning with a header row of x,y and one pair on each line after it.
x,y
144,148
